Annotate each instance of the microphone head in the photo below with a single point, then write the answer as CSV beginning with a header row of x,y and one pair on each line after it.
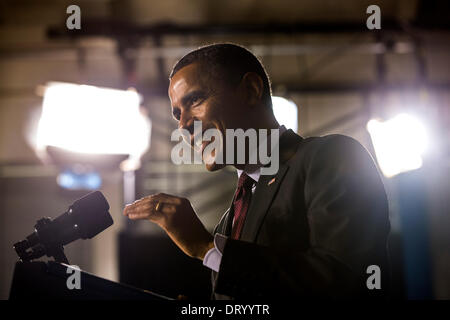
x,y
91,214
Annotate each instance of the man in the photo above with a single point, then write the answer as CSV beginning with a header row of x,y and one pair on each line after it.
x,y
310,230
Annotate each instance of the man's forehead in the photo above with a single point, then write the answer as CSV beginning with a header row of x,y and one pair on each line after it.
x,y
186,78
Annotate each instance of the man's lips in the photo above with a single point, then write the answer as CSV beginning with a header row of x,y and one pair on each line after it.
x,y
201,145
198,144
196,141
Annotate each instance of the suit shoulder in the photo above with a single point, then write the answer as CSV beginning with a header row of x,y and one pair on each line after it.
x,y
332,148
332,141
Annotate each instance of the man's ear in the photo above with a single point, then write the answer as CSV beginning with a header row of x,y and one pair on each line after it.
x,y
252,87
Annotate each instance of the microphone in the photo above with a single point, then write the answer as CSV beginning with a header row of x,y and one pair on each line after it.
x,y
85,218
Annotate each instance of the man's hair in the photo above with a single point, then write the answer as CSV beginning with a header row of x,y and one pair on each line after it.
x,y
228,61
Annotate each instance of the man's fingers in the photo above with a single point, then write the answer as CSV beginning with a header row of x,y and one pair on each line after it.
x,y
149,210
155,202
167,198
136,216
138,207
132,208
162,197
167,208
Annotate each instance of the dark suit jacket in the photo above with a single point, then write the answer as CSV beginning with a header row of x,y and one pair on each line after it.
x,y
313,231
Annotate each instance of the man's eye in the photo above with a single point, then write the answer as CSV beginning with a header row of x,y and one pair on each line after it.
x,y
196,100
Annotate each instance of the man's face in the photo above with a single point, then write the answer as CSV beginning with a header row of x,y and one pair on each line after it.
x,y
196,97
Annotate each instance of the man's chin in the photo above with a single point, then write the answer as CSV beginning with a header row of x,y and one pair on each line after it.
x,y
214,166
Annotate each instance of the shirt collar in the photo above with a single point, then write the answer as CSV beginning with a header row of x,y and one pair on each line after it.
x,y
255,173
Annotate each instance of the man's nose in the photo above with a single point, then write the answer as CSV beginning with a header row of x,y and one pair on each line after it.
x,y
187,122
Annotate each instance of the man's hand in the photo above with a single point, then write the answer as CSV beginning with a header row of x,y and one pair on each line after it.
x,y
176,216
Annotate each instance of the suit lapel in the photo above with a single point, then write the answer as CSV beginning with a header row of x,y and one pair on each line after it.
x,y
225,224
268,186
228,223
260,203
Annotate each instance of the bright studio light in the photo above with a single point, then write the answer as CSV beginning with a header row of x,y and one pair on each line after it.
x,y
90,119
285,112
399,143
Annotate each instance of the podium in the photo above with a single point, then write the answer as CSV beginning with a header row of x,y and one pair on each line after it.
x,y
48,281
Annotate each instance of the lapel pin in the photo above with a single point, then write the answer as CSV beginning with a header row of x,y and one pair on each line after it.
x,y
271,181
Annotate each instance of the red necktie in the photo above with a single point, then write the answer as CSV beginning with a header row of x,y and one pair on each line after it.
x,y
241,203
